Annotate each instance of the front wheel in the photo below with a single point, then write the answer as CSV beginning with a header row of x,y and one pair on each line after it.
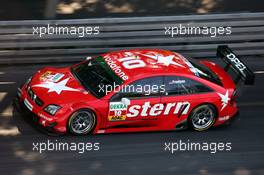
x,y
202,117
82,122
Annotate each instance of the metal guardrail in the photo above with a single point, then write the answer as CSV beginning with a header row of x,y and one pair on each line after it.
x,y
19,45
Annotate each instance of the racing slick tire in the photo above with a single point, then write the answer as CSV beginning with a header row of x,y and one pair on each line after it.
x,y
82,122
202,117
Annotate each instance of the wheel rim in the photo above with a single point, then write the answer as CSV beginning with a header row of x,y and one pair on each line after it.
x,y
82,122
203,118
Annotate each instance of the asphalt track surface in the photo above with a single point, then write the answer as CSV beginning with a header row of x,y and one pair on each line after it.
x,y
133,153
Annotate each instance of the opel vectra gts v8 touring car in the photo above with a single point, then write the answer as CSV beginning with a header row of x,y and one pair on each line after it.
x,y
135,90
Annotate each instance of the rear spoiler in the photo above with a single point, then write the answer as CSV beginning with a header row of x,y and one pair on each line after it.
x,y
232,61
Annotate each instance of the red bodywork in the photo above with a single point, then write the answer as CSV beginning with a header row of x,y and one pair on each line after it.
x,y
77,97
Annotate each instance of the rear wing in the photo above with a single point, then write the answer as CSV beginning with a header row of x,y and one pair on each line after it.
x,y
232,61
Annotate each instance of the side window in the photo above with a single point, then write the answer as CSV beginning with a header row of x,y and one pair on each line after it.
x,y
147,87
176,85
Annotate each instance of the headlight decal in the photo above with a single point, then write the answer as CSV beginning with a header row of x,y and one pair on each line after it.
x,y
52,109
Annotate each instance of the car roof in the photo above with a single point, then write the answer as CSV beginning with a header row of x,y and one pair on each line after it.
x,y
144,62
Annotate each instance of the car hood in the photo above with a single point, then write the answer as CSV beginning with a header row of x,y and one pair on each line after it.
x,y
59,86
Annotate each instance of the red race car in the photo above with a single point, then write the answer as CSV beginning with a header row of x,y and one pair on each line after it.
x,y
135,90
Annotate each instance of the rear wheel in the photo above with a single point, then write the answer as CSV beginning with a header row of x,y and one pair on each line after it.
x,y
82,122
202,117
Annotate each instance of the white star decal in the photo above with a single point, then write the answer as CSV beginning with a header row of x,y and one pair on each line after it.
x,y
166,60
56,87
224,99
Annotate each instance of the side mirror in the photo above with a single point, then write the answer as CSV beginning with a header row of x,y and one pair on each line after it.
x,y
88,58
125,101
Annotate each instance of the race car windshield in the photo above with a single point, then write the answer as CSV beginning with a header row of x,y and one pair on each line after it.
x,y
95,75
205,73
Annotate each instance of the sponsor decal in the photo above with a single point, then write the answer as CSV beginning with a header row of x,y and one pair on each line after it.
x,y
117,111
57,77
117,69
177,82
224,118
158,109
241,67
56,87
224,99
49,76
100,131
44,117
45,75
28,104
120,111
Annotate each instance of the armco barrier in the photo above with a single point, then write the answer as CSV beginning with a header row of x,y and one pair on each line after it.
x,y
19,45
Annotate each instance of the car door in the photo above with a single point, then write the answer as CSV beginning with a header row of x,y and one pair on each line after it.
x,y
131,106
180,96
